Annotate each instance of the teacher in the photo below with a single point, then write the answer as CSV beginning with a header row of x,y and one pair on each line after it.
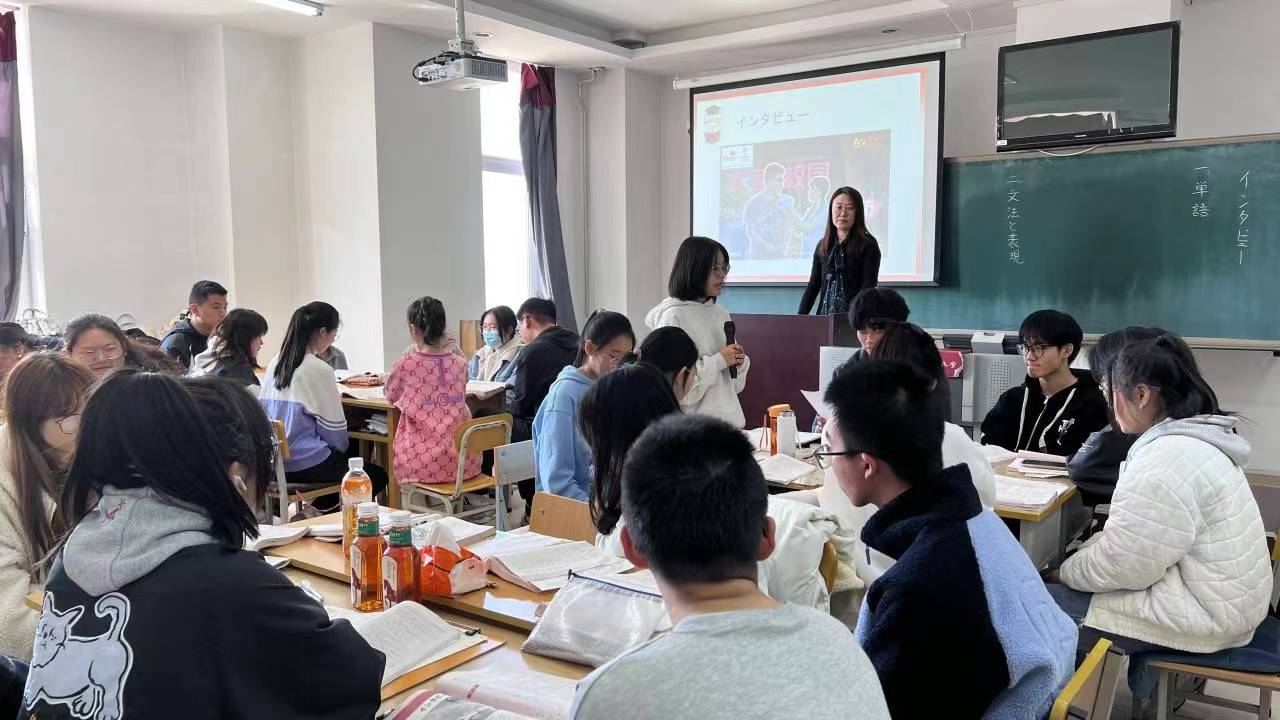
x,y
847,261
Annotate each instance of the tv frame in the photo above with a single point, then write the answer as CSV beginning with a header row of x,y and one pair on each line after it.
x,y
939,57
1144,132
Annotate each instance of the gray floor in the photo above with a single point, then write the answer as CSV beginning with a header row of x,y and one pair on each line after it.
x,y
1199,711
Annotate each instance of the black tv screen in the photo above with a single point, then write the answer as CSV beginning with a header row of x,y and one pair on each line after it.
x,y
1117,85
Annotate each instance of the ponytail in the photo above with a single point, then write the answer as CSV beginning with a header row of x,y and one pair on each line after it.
x,y
1165,362
601,328
427,314
303,326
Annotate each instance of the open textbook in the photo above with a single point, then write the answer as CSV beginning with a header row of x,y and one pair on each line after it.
x,y
541,563
408,634
1029,494
527,693
430,705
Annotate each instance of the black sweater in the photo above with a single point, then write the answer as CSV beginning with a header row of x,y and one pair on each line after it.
x,y
1022,419
861,270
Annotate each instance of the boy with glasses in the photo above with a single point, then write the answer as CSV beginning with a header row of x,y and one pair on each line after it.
x,y
1056,409
961,586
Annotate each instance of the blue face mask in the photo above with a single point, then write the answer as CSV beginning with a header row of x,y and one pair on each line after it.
x,y
491,338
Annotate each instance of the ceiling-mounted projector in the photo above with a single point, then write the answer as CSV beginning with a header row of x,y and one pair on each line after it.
x,y
461,67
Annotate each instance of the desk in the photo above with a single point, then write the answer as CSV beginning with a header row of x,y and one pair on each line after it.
x,y
502,602
1040,532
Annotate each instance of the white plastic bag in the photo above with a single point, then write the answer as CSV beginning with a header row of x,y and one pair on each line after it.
x,y
592,621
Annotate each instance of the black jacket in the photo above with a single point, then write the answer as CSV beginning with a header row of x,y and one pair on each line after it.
x,y
861,269
1022,420
241,371
184,342
1096,465
536,367
210,633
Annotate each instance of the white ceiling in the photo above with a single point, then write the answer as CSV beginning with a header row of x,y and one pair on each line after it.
x,y
684,35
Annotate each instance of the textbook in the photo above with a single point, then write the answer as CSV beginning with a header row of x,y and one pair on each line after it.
x,y
270,536
1039,465
483,389
546,568
785,470
408,634
430,705
1029,494
531,694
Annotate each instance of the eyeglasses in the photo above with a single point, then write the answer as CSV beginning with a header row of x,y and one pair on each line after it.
x,y
111,352
1033,351
824,451
69,424
720,270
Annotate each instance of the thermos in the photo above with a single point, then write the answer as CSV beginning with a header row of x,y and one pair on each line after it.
x,y
786,434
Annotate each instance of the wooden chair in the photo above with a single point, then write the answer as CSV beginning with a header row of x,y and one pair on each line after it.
x,y
470,438
1167,693
469,339
1091,692
828,565
562,517
279,490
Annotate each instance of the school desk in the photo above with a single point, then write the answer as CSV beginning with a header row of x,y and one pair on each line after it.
x,y
1040,532
503,602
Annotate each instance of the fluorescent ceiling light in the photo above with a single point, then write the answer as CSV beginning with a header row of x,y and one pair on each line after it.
x,y
302,7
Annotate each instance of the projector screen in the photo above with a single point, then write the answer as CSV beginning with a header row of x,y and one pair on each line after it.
x,y
767,154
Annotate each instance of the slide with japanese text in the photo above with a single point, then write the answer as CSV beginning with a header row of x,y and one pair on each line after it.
x,y
768,155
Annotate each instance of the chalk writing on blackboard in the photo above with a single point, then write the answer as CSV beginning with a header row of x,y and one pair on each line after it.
x,y
1200,207
1242,224
1013,216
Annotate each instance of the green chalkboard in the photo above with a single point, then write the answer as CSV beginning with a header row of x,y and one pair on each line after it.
x,y
1184,237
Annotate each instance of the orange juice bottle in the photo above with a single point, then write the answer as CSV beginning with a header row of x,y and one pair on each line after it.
x,y
366,560
400,563
356,488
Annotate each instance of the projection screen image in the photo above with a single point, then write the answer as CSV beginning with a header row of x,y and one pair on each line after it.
x,y
767,155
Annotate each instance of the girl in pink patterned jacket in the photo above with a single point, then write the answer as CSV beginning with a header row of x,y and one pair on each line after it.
x,y
429,386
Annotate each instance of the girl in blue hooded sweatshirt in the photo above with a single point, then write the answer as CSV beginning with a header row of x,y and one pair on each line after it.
x,y
563,460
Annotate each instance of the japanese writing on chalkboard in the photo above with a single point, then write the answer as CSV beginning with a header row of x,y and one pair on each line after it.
x,y
1242,216
1200,206
1013,215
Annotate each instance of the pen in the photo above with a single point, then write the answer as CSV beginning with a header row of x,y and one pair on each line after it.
x,y
466,629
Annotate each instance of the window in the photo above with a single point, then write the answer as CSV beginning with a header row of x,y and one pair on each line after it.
x,y
507,245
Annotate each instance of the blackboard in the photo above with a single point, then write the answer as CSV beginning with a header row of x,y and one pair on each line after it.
x,y
1185,237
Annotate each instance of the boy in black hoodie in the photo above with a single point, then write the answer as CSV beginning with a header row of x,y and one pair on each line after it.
x,y
1057,408
207,306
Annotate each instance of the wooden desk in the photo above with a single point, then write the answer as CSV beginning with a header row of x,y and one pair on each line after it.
x,y
503,602
374,447
1041,533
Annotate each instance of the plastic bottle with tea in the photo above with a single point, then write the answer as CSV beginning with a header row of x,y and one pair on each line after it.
x,y
366,560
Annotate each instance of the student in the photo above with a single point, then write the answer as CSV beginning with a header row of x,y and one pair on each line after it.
x,y
43,398
611,415
14,343
334,358
207,306
1095,467
299,389
697,278
159,597
847,261
1057,407
233,352
672,352
548,349
693,500
960,582
563,464
429,386
493,362
99,343
1182,562
872,312
242,430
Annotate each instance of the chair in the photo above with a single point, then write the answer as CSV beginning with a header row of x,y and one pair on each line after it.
x,y
280,488
561,517
1091,691
511,464
1167,693
470,438
829,565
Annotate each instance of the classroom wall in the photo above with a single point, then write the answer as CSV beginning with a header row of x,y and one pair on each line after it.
x,y
430,212
336,168
209,188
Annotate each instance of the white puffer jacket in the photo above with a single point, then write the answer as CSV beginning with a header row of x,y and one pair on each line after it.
x,y
1183,559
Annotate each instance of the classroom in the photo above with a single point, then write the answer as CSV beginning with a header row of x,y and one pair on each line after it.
x,y
568,360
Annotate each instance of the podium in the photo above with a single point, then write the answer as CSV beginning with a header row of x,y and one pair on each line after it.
x,y
784,360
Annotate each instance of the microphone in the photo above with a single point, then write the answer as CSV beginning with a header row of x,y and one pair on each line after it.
x,y
729,331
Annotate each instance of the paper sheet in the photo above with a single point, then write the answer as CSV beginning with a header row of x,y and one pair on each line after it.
x,y
505,543
815,399
785,470
537,695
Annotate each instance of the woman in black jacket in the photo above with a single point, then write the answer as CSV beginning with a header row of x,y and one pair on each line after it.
x,y
152,609
847,260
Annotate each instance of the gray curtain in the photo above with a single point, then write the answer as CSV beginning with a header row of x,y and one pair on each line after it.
x,y
12,213
550,270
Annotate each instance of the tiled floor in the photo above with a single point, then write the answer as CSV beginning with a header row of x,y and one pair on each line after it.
x,y
1199,711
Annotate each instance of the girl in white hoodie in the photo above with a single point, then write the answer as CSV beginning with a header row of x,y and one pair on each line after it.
x,y
697,279
1182,562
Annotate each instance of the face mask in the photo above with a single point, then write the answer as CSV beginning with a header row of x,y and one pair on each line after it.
x,y
491,338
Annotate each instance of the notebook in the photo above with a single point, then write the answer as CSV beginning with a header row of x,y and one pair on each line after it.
x,y
1029,494
535,695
